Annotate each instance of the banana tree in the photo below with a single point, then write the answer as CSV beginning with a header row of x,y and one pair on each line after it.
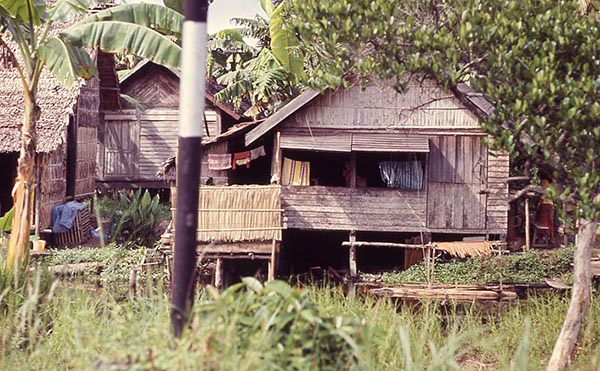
x,y
30,43
271,78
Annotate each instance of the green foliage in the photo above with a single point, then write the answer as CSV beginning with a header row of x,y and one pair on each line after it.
x,y
6,220
527,267
537,61
117,264
90,327
266,75
281,327
133,218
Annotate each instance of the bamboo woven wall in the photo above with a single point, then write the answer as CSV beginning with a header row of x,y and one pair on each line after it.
x,y
238,213
53,185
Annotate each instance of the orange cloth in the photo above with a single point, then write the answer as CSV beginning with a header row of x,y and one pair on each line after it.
x,y
241,158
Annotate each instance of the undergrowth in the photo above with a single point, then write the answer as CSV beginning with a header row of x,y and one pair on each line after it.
x,y
530,266
274,326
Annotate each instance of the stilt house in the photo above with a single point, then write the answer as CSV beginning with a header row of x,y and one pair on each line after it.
x,y
369,162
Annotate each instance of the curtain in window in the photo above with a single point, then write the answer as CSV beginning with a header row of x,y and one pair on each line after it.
x,y
402,174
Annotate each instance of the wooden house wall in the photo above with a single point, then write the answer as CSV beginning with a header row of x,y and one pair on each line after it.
x,y
497,187
153,86
87,115
53,185
424,105
362,209
219,177
465,190
456,179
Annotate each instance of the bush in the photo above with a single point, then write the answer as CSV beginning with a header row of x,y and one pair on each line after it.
x,y
133,217
529,266
275,327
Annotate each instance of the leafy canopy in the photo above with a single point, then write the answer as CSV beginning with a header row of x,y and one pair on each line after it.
x,y
537,61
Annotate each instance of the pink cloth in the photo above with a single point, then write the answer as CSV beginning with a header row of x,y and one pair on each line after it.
x,y
219,162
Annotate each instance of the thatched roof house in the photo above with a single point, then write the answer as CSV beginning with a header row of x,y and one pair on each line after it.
x,y
66,138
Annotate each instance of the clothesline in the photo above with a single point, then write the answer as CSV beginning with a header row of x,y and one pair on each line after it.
x,y
233,160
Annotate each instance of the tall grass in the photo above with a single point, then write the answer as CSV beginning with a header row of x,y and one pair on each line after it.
x,y
255,327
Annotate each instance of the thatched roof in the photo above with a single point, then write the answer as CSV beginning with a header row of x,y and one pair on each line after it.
x,y
55,101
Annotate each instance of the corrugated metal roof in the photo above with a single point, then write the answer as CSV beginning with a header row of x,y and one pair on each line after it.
x,y
330,143
379,142
273,120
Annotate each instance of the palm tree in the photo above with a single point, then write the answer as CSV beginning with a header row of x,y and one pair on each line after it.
x,y
29,43
270,78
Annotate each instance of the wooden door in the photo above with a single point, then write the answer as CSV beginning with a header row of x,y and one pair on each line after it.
x,y
456,176
121,149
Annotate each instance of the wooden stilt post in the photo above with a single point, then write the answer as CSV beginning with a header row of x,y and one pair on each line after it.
x,y
527,240
219,274
273,260
353,268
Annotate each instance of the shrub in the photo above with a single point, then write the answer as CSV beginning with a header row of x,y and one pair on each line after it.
x,y
276,327
133,217
529,266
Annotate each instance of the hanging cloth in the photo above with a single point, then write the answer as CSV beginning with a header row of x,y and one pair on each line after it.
x,y
402,174
257,152
219,162
296,173
241,158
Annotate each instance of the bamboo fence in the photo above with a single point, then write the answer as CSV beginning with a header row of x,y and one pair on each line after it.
x,y
238,213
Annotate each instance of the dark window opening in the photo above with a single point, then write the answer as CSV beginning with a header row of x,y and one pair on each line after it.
x,y
326,168
391,170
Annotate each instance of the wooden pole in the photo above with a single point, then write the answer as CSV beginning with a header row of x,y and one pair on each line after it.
x,y
353,268
272,260
527,240
189,154
219,274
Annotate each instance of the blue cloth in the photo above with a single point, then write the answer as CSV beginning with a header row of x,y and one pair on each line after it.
x,y
64,215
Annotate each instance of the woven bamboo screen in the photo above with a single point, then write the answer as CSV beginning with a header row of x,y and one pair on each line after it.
x,y
238,213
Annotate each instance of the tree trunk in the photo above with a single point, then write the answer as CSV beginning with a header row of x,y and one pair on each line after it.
x,y
580,297
23,189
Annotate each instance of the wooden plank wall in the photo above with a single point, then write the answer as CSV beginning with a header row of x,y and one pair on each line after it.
x,y
157,140
220,177
53,185
456,178
423,105
152,139
364,209
497,200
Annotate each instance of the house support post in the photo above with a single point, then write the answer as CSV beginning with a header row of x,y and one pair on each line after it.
x,y
527,240
353,269
273,260
219,274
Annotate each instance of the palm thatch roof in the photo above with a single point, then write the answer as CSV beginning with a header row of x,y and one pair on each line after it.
x,y
55,101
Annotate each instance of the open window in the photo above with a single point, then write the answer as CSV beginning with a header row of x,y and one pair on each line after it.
x,y
355,160
390,170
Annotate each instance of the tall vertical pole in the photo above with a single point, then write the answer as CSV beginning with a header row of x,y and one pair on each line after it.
x,y
189,152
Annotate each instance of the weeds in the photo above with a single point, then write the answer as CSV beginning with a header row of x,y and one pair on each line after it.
x,y
256,327
530,266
